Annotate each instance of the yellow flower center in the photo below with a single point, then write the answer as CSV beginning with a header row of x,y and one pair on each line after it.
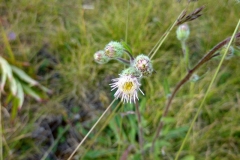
x,y
127,86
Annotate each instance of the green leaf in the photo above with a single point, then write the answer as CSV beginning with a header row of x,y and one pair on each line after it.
x,y
126,46
23,76
188,157
6,68
13,86
168,120
166,87
20,95
3,81
31,92
45,89
15,103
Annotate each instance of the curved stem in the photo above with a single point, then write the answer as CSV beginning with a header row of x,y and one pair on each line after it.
x,y
205,59
130,55
79,145
123,61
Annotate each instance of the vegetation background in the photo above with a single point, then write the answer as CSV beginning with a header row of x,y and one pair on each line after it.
x,y
59,38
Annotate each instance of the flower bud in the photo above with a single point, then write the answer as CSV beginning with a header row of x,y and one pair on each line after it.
x,y
100,57
131,71
114,49
230,52
183,32
143,64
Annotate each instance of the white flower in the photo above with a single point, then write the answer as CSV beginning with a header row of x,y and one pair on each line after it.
x,y
127,88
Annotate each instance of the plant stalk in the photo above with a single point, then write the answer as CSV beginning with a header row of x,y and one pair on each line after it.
x,y
205,59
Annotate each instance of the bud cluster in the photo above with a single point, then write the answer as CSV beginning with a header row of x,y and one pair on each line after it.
x,y
128,84
113,50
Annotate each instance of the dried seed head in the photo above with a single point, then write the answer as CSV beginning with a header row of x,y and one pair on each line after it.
x,y
114,50
100,57
143,64
183,32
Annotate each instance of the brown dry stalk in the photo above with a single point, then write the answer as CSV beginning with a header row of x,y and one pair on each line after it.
x,y
205,59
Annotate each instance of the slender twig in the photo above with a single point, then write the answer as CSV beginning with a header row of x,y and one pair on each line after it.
x,y
113,112
140,129
123,61
165,35
79,145
205,59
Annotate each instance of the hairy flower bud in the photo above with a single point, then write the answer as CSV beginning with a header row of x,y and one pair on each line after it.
x,y
143,64
183,32
114,49
230,52
131,71
100,57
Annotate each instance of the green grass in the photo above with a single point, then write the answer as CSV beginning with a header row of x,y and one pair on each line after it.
x,y
82,87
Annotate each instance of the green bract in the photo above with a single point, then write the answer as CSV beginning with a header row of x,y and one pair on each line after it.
x,y
183,32
114,50
143,64
100,57
131,71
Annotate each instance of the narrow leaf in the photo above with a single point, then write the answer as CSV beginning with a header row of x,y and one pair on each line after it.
x,y
126,46
23,76
3,81
13,86
20,95
31,92
6,68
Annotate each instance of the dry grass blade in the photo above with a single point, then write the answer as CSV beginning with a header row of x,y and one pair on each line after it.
x,y
190,17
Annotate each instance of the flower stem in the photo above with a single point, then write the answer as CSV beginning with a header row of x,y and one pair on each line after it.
x,y
123,61
185,54
140,129
130,55
206,94
205,59
79,145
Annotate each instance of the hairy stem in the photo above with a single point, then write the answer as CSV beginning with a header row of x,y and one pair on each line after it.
x,y
185,54
205,59
140,129
123,61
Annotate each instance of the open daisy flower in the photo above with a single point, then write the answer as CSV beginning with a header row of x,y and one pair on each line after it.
x,y
127,88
